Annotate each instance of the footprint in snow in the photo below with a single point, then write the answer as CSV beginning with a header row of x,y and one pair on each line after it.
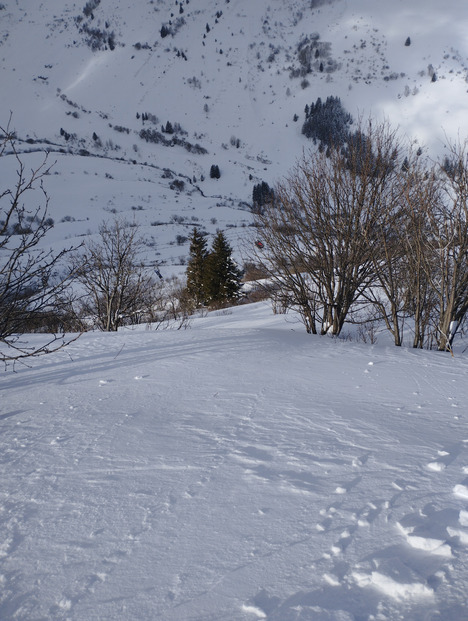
x,y
461,491
460,531
360,461
344,489
430,545
392,588
343,542
444,458
427,531
328,514
369,514
324,526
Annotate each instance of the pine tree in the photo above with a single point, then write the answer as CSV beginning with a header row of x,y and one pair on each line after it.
x,y
196,267
215,173
222,276
328,122
261,195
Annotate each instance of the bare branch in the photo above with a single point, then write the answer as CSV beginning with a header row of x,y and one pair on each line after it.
x,y
32,278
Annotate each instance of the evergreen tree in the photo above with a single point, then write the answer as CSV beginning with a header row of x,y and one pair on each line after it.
x,y
261,195
215,173
327,122
196,267
222,276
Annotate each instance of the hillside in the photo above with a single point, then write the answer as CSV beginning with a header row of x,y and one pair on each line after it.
x,y
95,82
240,469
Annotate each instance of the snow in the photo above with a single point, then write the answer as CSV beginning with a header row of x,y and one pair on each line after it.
x,y
240,469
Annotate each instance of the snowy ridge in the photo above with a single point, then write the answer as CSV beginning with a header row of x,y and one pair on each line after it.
x,y
237,470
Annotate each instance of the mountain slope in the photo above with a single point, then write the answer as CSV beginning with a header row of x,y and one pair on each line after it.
x,y
230,77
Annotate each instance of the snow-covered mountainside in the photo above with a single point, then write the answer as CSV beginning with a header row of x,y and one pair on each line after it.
x,y
236,471
241,469
96,82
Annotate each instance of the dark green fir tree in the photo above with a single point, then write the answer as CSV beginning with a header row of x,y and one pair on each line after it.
x,y
222,276
196,267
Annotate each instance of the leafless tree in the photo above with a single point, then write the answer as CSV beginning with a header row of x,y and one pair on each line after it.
x,y
321,232
421,195
447,223
390,262
402,259
33,279
174,306
426,272
118,288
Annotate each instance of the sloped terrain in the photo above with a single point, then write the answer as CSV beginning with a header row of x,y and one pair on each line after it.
x,y
238,470
241,469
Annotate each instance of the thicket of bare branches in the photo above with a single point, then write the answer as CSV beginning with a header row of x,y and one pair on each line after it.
x,y
447,246
117,288
369,232
374,229
33,280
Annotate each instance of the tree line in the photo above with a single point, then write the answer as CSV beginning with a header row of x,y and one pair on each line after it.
x,y
101,284
372,228
369,231
114,287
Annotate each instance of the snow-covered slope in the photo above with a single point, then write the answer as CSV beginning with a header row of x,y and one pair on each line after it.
x,y
232,74
238,470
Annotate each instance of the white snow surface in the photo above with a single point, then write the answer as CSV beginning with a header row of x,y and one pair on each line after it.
x,y
237,470
241,469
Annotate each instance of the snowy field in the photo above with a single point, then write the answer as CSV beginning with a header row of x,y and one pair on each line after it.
x,y
238,470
